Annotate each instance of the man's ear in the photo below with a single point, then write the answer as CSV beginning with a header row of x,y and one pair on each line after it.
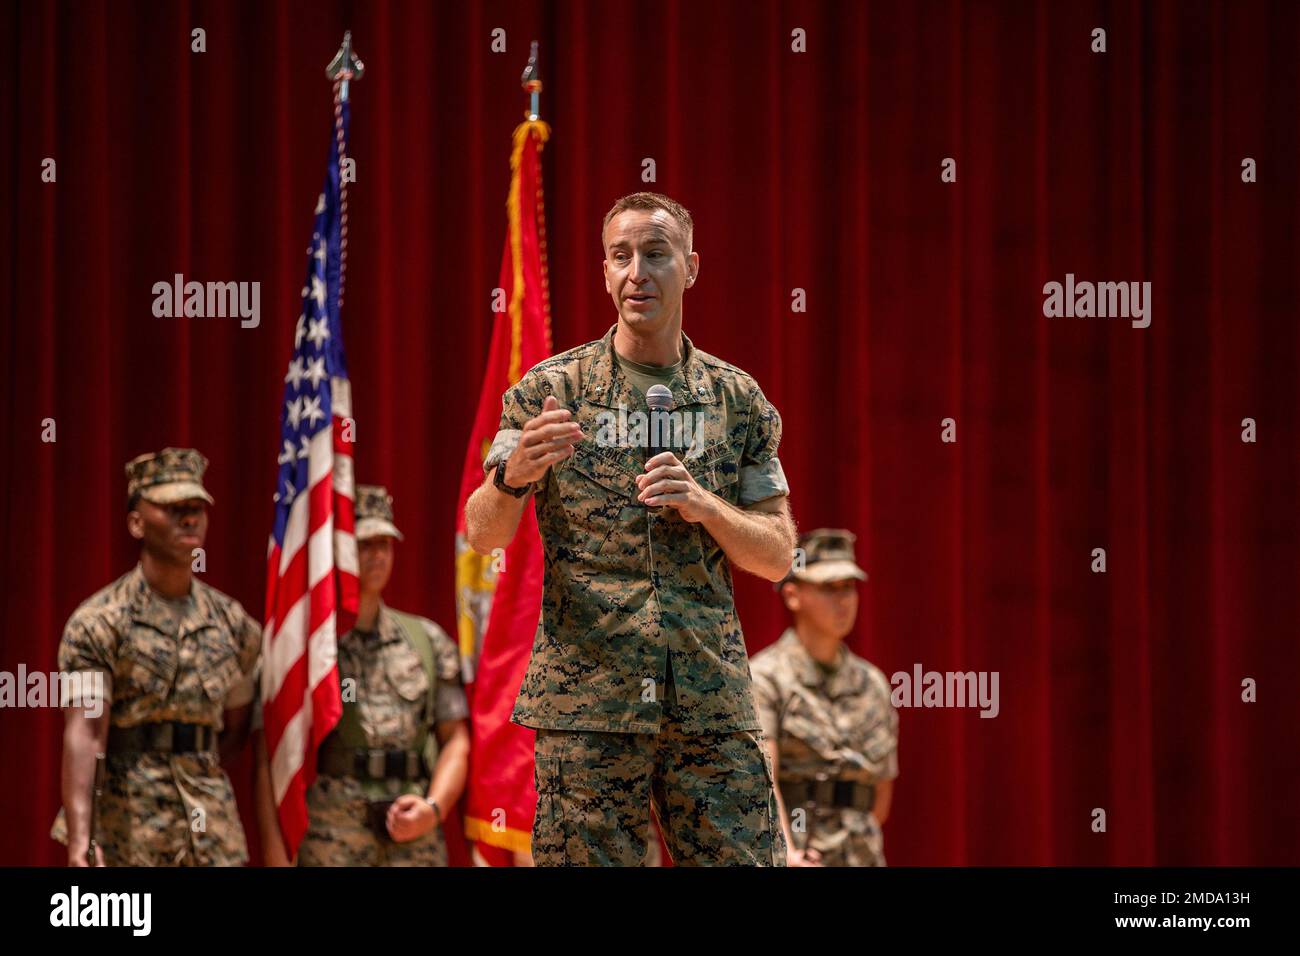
x,y
692,268
604,267
135,525
790,594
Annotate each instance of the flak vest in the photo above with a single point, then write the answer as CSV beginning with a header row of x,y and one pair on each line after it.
x,y
349,735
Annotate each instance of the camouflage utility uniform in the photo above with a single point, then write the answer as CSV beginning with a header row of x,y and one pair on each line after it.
x,y
837,737
171,668
638,684
399,681
392,709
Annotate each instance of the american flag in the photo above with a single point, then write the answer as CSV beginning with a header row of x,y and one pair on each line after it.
x,y
311,580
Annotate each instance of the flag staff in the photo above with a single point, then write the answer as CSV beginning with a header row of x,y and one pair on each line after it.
x,y
531,81
345,66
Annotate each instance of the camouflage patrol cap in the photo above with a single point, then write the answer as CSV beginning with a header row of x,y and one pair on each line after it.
x,y
168,476
827,556
375,513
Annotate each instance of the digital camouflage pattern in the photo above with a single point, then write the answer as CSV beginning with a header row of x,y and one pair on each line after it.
x,y
374,513
171,475
165,661
711,792
337,834
842,724
392,699
827,556
629,586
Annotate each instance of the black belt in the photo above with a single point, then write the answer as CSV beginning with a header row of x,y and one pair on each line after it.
x,y
172,737
829,792
369,764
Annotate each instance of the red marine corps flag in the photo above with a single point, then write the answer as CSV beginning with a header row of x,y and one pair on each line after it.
x,y
311,572
499,597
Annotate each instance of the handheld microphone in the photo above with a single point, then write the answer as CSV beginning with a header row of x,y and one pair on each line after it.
x,y
659,400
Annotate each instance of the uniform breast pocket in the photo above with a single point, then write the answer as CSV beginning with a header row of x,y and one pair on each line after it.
x,y
395,718
597,489
714,469
715,472
406,673
218,660
880,745
808,728
147,665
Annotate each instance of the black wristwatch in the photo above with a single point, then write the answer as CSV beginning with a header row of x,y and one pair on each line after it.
x,y
499,479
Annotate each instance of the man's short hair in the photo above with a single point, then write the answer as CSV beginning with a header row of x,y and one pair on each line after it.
x,y
652,201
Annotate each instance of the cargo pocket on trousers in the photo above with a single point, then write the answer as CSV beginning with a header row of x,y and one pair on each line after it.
x,y
549,833
776,834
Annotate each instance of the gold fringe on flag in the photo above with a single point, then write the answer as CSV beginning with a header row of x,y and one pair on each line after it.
x,y
481,831
542,132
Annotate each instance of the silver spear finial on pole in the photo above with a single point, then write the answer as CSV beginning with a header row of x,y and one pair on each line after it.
x,y
345,66
531,81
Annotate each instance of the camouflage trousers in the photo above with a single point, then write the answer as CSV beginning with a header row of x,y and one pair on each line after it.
x,y
338,833
166,810
711,792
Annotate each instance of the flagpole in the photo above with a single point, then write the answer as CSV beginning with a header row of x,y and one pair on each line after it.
x,y
531,81
294,694
345,67
506,605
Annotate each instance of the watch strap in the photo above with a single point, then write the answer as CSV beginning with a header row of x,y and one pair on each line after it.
x,y
499,479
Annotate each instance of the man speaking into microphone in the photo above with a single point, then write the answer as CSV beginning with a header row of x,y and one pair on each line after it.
x,y
638,685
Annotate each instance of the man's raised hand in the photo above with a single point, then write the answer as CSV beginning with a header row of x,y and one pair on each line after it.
x,y
546,439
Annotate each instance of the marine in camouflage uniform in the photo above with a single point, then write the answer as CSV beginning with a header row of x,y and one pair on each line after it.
x,y
834,727
405,678
173,672
638,683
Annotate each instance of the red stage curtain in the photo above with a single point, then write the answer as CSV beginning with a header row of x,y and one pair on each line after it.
x,y
817,171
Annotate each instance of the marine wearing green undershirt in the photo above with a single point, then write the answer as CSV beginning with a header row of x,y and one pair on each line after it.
x,y
827,669
643,376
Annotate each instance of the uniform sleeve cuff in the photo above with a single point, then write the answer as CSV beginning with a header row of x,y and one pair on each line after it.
x,y
452,704
503,447
760,482
88,689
